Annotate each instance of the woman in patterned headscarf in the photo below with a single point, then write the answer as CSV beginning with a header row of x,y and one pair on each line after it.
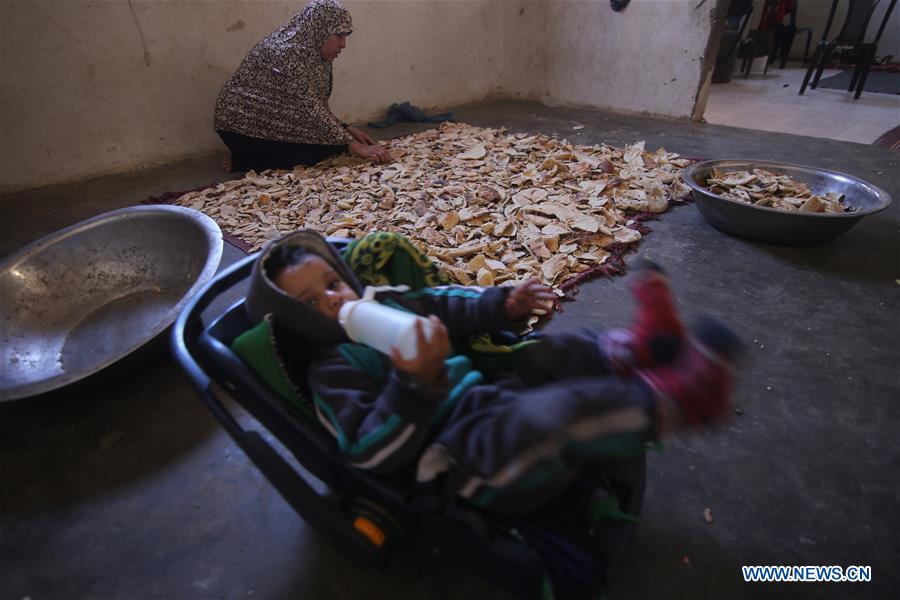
x,y
273,112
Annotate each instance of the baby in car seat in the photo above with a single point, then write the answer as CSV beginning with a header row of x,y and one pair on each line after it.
x,y
510,442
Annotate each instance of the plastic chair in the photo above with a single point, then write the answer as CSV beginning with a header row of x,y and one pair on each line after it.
x,y
784,38
852,37
736,21
760,42
867,56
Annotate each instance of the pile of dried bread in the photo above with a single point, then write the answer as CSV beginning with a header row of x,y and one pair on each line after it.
x,y
488,206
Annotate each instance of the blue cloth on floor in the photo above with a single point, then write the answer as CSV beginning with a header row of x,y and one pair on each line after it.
x,y
405,112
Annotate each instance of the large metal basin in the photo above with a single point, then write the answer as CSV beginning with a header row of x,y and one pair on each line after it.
x,y
781,226
78,300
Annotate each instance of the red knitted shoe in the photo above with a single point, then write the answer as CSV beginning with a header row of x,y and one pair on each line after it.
x,y
694,389
657,332
656,335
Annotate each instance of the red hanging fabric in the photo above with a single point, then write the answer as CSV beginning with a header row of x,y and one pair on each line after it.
x,y
774,11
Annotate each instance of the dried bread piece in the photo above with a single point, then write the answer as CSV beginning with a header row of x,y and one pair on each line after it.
x,y
773,190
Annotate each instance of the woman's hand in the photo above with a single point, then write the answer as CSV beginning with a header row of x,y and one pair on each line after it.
x,y
428,365
526,297
360,136
371,151
376,150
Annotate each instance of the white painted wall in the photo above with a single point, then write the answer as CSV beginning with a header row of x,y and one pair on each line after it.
x,y
96,87
647,58
99,87
432,53
525,57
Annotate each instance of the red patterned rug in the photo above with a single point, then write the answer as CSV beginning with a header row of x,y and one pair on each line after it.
x,y
171,197
890,139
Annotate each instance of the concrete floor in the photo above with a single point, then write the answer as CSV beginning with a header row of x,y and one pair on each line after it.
x,y
131,490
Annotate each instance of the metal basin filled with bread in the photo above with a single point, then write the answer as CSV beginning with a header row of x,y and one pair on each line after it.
x,y
781,203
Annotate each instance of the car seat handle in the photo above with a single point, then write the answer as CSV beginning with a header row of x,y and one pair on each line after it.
x,y
189,324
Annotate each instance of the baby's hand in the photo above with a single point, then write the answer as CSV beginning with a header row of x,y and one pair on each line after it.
x,y
527,297
428,365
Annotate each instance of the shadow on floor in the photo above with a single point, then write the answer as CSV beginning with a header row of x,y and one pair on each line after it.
x,y
65,447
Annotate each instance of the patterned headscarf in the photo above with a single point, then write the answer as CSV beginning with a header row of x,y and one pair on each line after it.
x,y
313,25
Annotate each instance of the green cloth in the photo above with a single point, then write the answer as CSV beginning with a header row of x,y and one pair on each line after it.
x,y
258,349
385,258
491,358
608,508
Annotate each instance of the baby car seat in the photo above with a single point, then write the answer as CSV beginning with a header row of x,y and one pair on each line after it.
x,y
367,516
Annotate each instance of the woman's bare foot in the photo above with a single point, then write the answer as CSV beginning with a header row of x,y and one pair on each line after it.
x,y
226,162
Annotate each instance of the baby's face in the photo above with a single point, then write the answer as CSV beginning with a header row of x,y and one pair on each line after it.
x,y
317,285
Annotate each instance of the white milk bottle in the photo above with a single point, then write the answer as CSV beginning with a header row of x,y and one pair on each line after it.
x,y
382,327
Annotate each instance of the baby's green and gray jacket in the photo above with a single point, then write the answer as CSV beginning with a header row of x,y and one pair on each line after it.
x,y
381,417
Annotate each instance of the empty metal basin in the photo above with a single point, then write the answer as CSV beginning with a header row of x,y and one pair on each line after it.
x,y
84,297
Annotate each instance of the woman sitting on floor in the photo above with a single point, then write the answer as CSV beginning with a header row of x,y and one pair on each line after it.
x,y
273,112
